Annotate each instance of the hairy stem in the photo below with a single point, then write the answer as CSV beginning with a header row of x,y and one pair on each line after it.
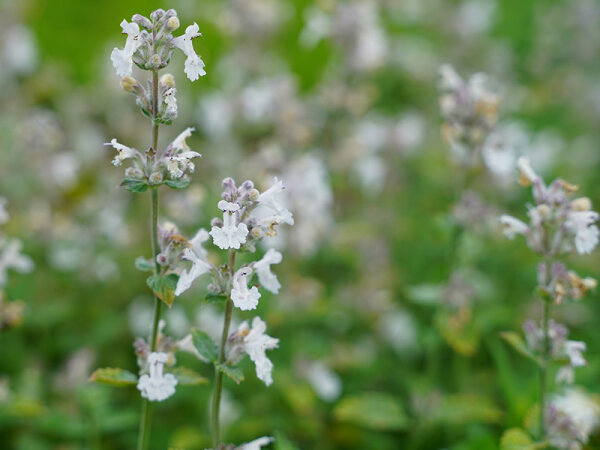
x,y
544,367
216,403
144,431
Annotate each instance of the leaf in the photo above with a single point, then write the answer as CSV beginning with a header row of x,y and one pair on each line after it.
x,y
516,341
143,264
163,287
114,376
135,186
373,410
214,298
462,409
205,345
518,439
188,377
180,183
235,373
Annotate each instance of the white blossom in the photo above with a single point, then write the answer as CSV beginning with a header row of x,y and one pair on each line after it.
x,y
123,152
256,444
157,386
232,234
526,173
325,382
194,66
197,255
242,297
263,269
123,59
171,102
586,232
513,226
4,215
574,351
179,155
12,258
256,342
572,417
270,210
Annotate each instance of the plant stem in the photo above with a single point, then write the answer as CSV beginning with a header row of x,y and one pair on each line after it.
x,y
216,403
544,367
144,431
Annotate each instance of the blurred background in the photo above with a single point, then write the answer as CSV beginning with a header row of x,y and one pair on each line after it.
x,y
396,277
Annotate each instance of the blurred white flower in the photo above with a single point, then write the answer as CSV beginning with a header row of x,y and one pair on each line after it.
x,y
197,255
586,232
574,351
271,210
571,418
256,444
513,226
242,297
157,386
12,258
326,383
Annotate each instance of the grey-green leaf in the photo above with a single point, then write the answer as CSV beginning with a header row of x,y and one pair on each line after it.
x,y
135,186
143,264
205,345
114,376
233,372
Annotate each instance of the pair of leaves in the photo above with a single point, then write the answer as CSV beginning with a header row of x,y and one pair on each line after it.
x,y
209,350
138,186
114,376
164,287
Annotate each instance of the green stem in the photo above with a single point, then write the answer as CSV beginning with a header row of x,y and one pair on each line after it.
x,y
544,367
146,416
216,403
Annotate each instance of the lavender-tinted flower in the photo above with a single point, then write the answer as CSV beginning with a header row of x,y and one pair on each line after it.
x,y
570,419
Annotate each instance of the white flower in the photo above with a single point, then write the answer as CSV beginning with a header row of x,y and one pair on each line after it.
x,y
513,226
171,102
4,216
200,266
565,374
242,297
325,382
256,342
270,211
575,418
573,350
179,155
449,79
11,258
157,386
256,444
526,174
263,269
231,234
194,66
124,152
123,59
586,233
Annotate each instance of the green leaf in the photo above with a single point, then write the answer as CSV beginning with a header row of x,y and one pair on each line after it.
x,y
205,345
180,183
114,376
516,341
373,410
518,439
143,264
135,186
163,287
235,373
188,377
214,298
462,409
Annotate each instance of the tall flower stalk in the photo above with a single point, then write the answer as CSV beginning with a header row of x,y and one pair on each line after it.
x,y
558,225
150,45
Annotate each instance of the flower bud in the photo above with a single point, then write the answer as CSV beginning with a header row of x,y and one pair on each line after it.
x,y
256,233
173,23
129,84
155,61
168,80
132,172
253,194
142,21
156,178
161,259
581,204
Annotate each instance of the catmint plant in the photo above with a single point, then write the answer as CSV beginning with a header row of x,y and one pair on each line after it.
x,y
557,225
247,218
149,46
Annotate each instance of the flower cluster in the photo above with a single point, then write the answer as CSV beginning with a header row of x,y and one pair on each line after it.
x,y
151,168
470,112
570,419
566,352
248,217
150,44
557,224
